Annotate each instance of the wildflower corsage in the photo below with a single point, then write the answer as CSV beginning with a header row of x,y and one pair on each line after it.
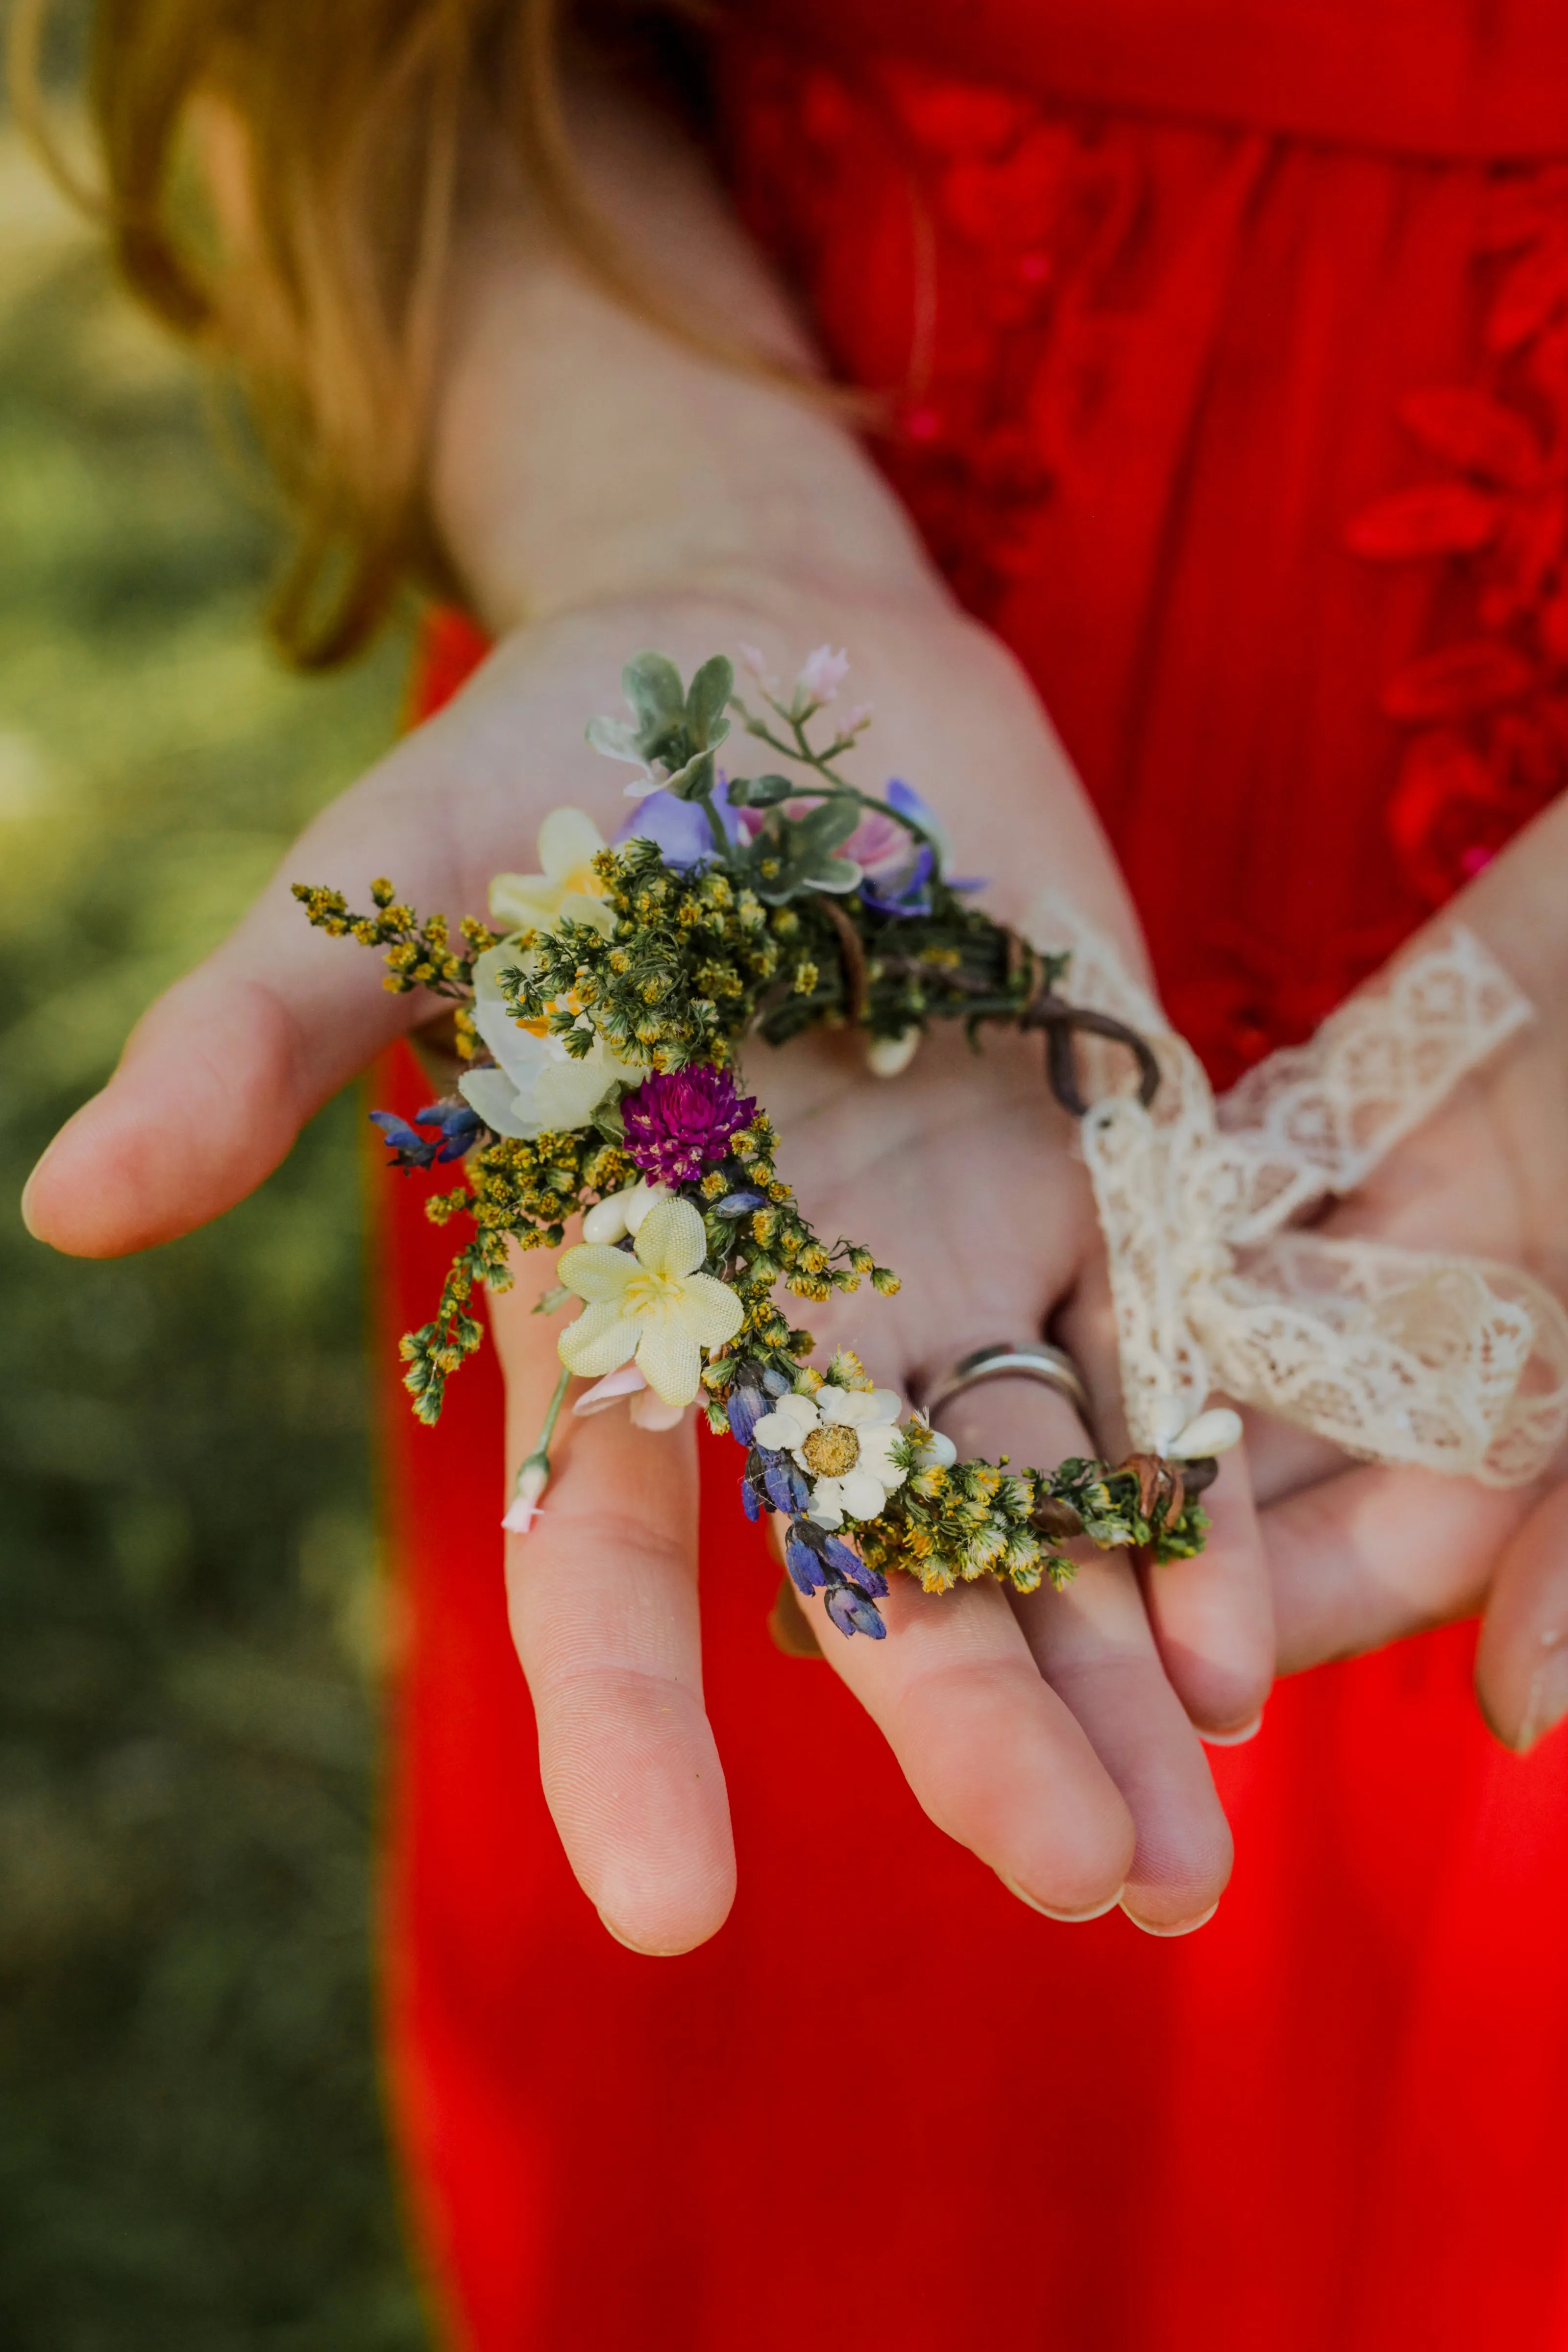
x,y
602,1021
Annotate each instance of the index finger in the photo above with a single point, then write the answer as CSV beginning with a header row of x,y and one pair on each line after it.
x,y
601,1598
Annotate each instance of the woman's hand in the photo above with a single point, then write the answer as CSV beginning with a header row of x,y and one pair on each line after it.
x,y
1360,1555
1042,1733
600,489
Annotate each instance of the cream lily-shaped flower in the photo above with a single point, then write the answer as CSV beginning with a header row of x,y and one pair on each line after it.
x,y
569,841
536,1085
657,1306
843,1439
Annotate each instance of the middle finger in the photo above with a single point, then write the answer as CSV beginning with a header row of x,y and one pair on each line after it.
x,y
1092,1644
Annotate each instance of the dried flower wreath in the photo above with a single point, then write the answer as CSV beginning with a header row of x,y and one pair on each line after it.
x,y
601,1024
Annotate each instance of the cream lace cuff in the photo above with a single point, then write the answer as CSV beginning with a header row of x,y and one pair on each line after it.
x,y
1454,1363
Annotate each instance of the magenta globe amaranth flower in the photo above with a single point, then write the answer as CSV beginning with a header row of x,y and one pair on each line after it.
x,y
680,1121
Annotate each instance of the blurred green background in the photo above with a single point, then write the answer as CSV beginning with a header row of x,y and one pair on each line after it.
x,y
191,2148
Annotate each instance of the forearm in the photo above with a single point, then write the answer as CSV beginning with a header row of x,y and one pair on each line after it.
x,y
595,481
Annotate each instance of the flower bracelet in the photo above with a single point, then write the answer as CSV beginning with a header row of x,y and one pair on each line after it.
x,y
600,1024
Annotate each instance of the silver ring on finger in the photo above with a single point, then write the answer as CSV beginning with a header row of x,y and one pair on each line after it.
x,y
1032,1359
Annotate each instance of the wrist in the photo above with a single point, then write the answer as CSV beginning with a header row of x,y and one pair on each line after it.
x,y
1520,906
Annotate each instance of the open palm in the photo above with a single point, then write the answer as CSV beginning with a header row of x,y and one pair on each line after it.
x,y
1045,1733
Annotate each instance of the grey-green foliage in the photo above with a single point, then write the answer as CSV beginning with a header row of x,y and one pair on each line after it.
x,y
191,2154
674,729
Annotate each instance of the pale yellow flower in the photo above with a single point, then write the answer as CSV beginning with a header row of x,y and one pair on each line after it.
x,y
537,1086
657,1306
569,841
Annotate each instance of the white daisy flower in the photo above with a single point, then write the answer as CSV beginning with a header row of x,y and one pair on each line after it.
x,y
843,1439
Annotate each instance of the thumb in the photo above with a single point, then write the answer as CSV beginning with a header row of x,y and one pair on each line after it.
x,y
220,1075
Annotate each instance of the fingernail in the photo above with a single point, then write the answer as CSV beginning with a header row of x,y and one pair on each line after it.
x,y
1183,1927
1548,1700
1233,1738
1069,1918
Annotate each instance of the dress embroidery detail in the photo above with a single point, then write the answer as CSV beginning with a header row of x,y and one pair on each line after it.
x,y
1006,216
1488,710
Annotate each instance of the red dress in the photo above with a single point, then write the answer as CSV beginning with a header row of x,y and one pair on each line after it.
x,y
1226,343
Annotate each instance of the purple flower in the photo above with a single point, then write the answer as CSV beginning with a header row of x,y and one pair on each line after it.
x,y
785,1483
681,829
680,1121
898,869
740,1204
853,1614
771,1482
907,892
818,1559
408,1149
457,1126
747,1403
802,1559
849,1563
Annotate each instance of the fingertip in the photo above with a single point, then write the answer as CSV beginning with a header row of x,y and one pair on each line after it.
x,y
1223,1699
1212,1615
1237,1737
203,1105
51,1207
665,1930
1171,1890
1067,1918
1173,1928
31,1206
673,1904
632,1776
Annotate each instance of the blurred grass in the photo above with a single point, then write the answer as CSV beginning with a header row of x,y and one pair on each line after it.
x,y
191,2154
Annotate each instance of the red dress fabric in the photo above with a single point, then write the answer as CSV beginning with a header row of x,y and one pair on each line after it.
x,y
1225,345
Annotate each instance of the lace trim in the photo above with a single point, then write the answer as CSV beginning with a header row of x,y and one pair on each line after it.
x,y
1452,1363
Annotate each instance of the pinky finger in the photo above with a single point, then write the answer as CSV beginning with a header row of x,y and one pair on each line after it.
x,y
1212,1615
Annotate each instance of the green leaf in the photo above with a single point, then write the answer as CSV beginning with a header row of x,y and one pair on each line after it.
x,y
829,824
706,701
760,792
651,684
